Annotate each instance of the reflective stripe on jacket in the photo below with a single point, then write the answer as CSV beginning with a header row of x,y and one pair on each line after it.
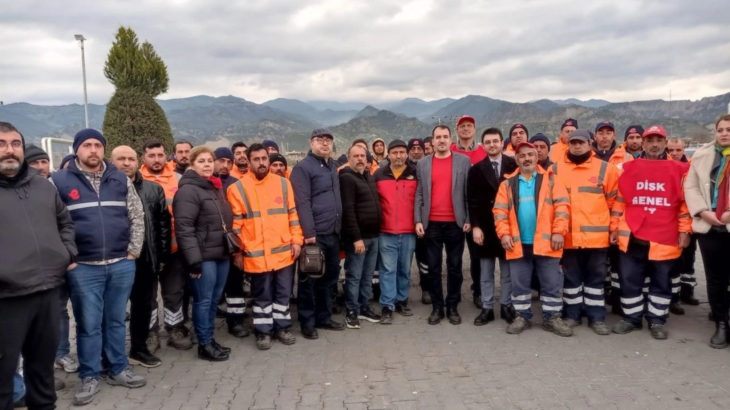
x,y
592,187
553,213
266,220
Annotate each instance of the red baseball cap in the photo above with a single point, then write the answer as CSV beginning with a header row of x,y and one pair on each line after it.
x,y
465,118
655,130
524,144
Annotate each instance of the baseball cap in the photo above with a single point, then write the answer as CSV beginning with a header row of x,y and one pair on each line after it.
x,y
463,118
633,129
583,135
604,124
570,122
415,142
524,144
655,130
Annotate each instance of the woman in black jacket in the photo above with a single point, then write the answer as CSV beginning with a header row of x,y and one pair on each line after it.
x,y
200,210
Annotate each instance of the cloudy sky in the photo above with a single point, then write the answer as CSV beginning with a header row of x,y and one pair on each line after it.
x,y
377,50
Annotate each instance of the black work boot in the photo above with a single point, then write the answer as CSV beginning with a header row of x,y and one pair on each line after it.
x,y
719,339
687,295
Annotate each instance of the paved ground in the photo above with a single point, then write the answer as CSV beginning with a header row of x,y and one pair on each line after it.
x,y
411,365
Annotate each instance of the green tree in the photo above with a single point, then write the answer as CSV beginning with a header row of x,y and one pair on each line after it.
x,y
133,117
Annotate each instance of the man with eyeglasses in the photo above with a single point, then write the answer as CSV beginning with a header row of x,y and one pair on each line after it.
x,y
316,188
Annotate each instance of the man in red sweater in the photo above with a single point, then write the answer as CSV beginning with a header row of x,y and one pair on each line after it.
x,y
441,217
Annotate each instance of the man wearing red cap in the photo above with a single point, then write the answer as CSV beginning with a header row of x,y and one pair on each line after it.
x,y
651,225
466,144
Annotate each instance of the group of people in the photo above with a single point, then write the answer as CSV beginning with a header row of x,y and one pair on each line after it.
x,y
585,222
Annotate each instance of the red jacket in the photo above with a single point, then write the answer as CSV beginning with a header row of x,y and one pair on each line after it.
x,y
397,199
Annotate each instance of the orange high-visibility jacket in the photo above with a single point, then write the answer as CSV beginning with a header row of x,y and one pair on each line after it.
x,y
553,213
168,179
657,251
235,173
265,218
618,157
592,187
558,150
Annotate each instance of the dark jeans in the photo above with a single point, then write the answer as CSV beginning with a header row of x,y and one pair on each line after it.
x,y
635,266
140,315
64,346
29,325
315,296
359,270
585,274
235,302
450,235
422,263
715,248
207,291
173,281
271,292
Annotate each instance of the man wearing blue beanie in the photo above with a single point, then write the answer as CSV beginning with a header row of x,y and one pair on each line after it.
x,y
109,223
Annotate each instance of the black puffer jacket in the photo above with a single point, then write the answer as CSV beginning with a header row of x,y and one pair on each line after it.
x,y
156,247
360,205
37,242
197,221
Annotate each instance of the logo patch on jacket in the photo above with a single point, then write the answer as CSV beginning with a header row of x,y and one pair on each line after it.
x,y
593,179
279,200
74,194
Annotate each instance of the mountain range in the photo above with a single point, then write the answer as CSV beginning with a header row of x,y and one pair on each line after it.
x,y
290,121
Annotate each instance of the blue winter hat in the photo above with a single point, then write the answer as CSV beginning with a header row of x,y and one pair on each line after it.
x,y
223,152
269,144
86,134
540,137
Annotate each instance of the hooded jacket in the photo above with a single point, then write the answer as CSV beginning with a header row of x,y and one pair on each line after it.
x,y
200,235
38,241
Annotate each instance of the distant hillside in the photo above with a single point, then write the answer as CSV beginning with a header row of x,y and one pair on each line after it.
x,y
290,122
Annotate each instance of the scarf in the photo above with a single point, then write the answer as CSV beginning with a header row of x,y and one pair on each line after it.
x,y
723,182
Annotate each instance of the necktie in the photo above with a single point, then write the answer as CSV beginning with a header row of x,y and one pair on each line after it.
x,y
495,167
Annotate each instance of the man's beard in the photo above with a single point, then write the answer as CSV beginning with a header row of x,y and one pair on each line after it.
x,y
9,169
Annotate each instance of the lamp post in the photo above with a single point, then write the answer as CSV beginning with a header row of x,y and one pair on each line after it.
x,y
81,39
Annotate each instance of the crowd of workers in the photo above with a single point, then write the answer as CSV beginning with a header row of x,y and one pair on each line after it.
x,y
585,223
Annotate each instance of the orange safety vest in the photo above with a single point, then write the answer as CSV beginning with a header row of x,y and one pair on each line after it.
x,y
168,178
657,251
265,218
592,187
558,150
618,157
553,214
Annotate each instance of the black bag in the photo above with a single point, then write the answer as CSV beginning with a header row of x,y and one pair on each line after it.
x,y
232,241
311,261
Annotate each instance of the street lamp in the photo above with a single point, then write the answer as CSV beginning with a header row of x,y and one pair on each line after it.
x,y
81,38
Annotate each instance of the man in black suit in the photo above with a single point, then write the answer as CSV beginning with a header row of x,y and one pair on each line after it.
x,y
482,185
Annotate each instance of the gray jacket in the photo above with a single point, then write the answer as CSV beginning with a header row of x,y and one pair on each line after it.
x,y
459,172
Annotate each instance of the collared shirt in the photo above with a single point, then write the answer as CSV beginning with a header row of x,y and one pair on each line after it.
x,y
527,209
499,164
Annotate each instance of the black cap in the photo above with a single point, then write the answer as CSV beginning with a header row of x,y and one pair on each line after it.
x,y
321,132
397,143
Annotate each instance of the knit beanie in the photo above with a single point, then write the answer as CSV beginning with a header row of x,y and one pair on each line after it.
x,y
86,134
269,144
518,125
34,153
223,152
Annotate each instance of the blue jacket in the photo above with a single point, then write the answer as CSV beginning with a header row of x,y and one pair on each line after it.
x,y
317,195
101,221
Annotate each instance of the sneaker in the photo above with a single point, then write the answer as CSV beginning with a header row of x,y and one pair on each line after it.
x,y
285,337
624,326
403,309
153,342
600,328
85,391
263,342
572,322
127,379
658,331
180,338
556,325
144,359
67,363
351,320
387,318
368,314
518,325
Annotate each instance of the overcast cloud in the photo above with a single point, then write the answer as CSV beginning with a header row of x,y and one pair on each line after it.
x,y
376,50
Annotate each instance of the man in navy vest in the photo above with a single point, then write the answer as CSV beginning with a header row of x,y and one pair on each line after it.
x,y
109,221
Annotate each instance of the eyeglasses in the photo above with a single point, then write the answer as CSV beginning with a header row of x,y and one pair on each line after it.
x,y
15,144
322,140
